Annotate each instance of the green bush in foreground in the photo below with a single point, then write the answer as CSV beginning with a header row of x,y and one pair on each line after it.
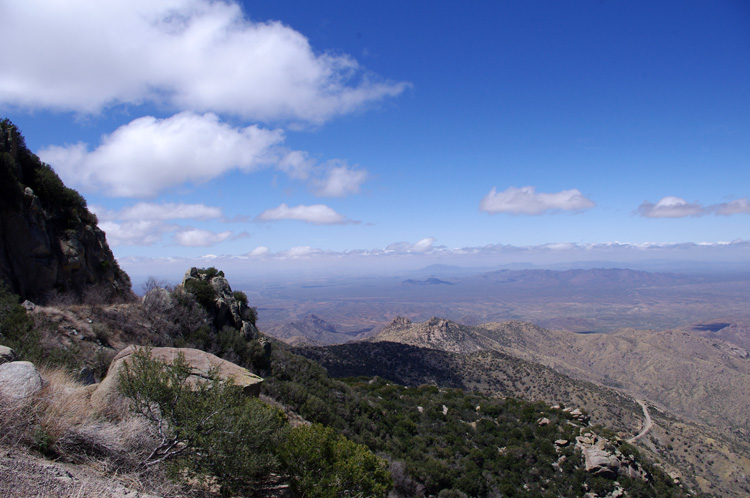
x,y
324,464
210,428
16,327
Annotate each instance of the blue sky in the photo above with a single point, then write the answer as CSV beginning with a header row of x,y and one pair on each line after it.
x,y
369,135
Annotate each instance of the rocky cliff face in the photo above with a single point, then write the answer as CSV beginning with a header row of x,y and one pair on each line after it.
x,y
49,241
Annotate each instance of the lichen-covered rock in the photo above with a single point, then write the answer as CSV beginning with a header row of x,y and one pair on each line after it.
x,y
19,380
107,399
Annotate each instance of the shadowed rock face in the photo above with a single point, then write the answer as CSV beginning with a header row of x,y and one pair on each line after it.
x,y
49,240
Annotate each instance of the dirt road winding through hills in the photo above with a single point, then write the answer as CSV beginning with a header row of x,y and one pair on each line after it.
x,y
647,423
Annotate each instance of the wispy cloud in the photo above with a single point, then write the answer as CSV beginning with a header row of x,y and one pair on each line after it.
x,y
738,206
317,214
164,211
259,252
135,233
676,207
199,55
196,237
423,246
145,224
670,207
526,200
339,181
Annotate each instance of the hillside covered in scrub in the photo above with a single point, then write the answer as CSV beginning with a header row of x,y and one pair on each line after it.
x,y
436,441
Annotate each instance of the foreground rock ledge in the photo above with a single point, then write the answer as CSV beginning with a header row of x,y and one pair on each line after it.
x,y
106,394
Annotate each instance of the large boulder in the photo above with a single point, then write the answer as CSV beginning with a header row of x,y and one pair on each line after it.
x,y
603,459
106,398
19,380
601,462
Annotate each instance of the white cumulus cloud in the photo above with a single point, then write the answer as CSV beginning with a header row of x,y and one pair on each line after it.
x,y
148,155
526,200
135,233
670,207
200,55
317,214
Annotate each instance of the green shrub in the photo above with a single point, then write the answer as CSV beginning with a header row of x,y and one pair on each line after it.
x,y
67,203
241,297
210,272
203,291
325,464
17,329
209,427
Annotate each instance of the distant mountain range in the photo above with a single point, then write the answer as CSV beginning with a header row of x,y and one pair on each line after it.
x,y
429,281
590,300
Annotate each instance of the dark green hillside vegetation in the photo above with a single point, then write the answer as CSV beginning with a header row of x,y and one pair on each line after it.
x,y
19,168
208,429
497,450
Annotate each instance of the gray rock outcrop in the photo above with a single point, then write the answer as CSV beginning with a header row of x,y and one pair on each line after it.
x,y
19,380
603,459
225,309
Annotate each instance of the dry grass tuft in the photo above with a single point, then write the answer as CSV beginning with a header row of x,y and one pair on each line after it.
x,y
62,403
59,421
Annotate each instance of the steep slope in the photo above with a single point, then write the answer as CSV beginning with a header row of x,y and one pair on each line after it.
x,y
693,381
49,240
707,380
486,371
